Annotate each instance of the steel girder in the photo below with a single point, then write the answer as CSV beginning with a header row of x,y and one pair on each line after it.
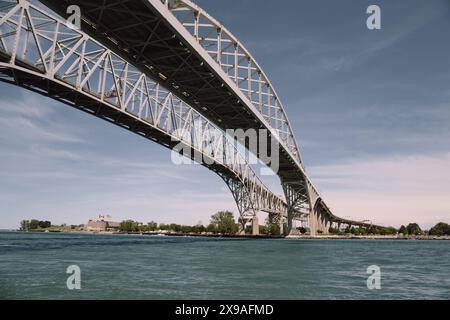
x,y
38,51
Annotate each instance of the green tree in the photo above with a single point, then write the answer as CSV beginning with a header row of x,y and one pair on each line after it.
x,y
414,229
440,229
44,224
127,226
24,225
163,227
224,222
270,228
152,226
263,229
388,231
302,230
360,231
174,227
200,228
332,230
273,228
403,230
211,228
34,224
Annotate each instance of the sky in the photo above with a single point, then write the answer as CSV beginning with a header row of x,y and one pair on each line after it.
x,y
370,110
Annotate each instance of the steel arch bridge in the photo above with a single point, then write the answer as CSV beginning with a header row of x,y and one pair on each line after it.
x,y
168,71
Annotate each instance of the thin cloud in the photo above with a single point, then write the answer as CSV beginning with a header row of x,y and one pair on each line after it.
x,y
32,120
394,190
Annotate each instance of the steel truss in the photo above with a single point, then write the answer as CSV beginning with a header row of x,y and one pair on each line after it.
x,y
241,67
303,199
38,51
120,71
237,62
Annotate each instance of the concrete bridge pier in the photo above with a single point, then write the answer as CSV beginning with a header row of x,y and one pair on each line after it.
x,y
291,227
319,222
255,225
323,221
326,225
312,224
243,221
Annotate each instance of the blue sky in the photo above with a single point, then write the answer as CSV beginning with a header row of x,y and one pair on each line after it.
x,y
370,110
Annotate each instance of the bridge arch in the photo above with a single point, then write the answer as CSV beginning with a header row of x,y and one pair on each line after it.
x,y
162,42
239,64
40,53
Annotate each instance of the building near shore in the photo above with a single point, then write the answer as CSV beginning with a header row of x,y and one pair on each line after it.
x,y
101,225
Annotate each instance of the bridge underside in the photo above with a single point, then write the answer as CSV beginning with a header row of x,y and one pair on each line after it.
x,y
128,121
145,38
39,53
149,39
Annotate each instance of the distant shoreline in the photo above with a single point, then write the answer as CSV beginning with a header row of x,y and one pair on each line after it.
x,y
231,236
366,237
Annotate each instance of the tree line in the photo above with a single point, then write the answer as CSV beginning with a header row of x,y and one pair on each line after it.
x,y
28,225
222,222
412,229
373,230
440,229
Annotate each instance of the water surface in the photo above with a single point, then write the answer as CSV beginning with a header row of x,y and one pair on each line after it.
x,y
33,266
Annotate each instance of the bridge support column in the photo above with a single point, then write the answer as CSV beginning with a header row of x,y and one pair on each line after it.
x,y
327,224
255,226
290,222
297,200
322,223
245,203
312,225
319,224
